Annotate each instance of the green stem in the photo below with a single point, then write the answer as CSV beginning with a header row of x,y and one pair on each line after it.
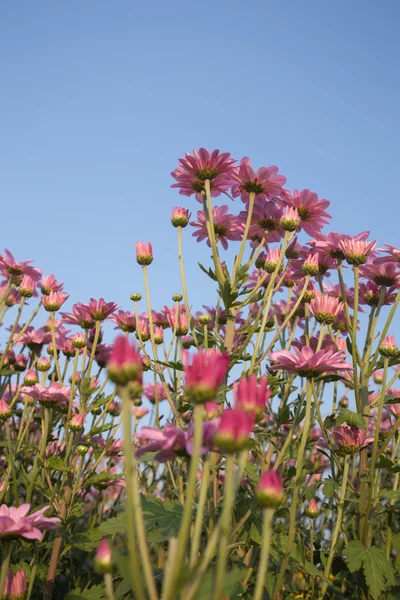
x,y
265,548
14,327
224,527
108,584
55,353
184,288
11,462
238,261
198,526
95,342
4,568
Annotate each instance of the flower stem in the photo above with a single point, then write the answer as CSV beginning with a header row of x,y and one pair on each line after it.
x,y
53,341
184,288
265,548
194,550
224,527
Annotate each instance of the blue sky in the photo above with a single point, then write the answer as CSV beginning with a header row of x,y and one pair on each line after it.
x,y
99,99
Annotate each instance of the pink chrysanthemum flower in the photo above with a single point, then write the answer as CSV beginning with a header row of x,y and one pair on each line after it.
x,y
53,301
349,440
356,251
204,374
325,308
331,243
144,253
180,216
80,316
126,321
290,220
306,363
27,287
264,222
15,522
369,293
388,348
8,265
387,273
169,442
265,183
177,319
125,363
100,310
269,492
50,284
311,210
226,226
56,395
194,170
392,256
15,587
154,393
234,430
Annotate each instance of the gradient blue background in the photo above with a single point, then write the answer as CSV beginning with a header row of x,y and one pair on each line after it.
x,y
99,99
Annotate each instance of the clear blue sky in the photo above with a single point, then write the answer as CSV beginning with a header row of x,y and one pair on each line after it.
x,y
99,99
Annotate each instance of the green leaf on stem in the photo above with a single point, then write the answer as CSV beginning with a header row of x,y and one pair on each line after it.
x,y
210,272
351,418
96,592
231,579
162,519
330,488
378,571
114,525
57,463
255,534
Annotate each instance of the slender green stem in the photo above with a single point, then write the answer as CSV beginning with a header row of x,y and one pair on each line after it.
x,y
209,215
238,261
11,462
14,327
4,568
55,353
39,457
137,583
338,525
94,346
184,288
108,584
198,526
224,527
265,548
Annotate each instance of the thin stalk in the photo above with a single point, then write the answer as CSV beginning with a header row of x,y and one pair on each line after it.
x,y
265,548
198,526
53,341
224,527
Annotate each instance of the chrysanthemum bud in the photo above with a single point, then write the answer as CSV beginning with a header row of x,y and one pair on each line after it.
x,y
272,261
187,342
5,410
312,510
27,287
388,348
79,340
311,265
177,298
234,430
180,216
77,422
15,587
205,319
30,377
344,402
103,559
135,297
125,363
54,301
82,450
378,377
290,219
144,253
43,364
269,492
139,412
114,409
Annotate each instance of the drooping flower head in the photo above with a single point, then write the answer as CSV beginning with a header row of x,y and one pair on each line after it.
x,y
226,226
265,183
204,374
194,170
307,363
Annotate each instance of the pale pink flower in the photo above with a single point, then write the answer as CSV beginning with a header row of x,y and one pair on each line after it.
x,y
50,284
265,183
226,226
331,243
126,321
99,310
35,338
55,394
306,363
177,319
194,170
139,411
8,265
80,316
311,210
290,220
15,522
392,256
369,293
387,273
143,329
27,287
54,301
154,393
180,216
168,442
264,222
349,439
356,251
325,308
144,253
15,587
388,348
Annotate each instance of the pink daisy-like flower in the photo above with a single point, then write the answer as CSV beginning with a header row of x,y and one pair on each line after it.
x,y
331,243
35,338
307,363
349,439
55,395
126,321
8,265
50,284
194,170
100,310
325,308
154,393
311,210
369,293
387,273
226,227
15,522
80,316
204,374
356,251
264,222
265,183
392,256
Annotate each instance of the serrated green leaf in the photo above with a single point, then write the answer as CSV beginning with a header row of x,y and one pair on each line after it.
x,y
378,571
351,418
207,587
96,592
57,463
114,525
330,488
162,519
311,491
210,273
255,534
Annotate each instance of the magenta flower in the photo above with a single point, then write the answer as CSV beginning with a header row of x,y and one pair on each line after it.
x,y
307,363
265,183
180,216
144,253
54,300
369,293
99,310
392,256
252,395
168,442
269,492
264,222
387,273
80,316
143,329
35,338
349,439
310,208
154,392
325,308
226,227
234,430
56,395
8,265
15,522
15,587
50,284
204,374
126,321
177,319
194,170
125,363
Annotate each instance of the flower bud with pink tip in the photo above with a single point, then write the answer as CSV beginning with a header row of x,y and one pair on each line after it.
x,y
325,308
356,251
234,430
269,492
144,253
103,562
15,586
5,410
204,374
290,219
252,395
43,364
350,440
79,341
311,265
180,217
125,363
388,348
31,377
312,510
54,301
27,287
77,422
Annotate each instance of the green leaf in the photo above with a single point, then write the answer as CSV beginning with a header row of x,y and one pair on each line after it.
x,y
330,488
351,418
377,568
96,592
114,525
283,416
84,541
311,491
162,518
210,273
57,463
207,587
255,534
